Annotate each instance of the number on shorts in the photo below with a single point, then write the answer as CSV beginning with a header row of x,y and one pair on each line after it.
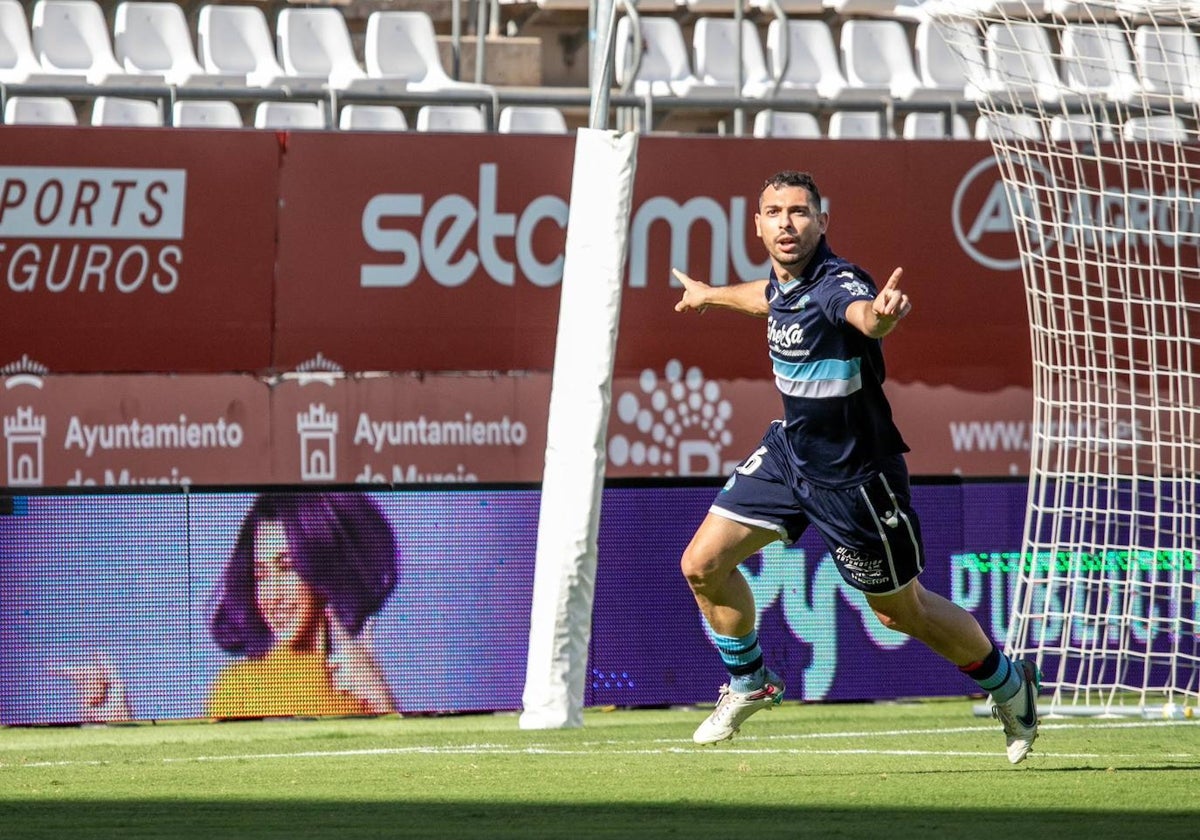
x,y
753,462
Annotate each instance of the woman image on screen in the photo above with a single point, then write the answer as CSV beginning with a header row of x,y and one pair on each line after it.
x,y
307,572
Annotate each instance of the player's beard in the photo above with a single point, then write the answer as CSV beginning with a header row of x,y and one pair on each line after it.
x,y
793,260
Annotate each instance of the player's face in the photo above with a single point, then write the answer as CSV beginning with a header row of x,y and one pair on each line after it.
x,y
284,600
790,226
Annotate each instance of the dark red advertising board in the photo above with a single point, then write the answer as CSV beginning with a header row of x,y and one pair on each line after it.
x,y
131,250
445,255
395,299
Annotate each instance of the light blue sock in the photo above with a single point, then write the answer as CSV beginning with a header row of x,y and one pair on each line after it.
x,y
743,660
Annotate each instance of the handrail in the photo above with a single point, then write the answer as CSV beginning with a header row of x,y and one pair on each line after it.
x,y
639,45
782,19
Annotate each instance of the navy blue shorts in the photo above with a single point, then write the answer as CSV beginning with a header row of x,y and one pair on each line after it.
x,y
871,529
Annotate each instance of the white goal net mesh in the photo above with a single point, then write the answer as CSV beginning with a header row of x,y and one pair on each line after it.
x,y
1091,110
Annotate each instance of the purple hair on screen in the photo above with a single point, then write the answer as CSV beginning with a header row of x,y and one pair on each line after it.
x,y
342,548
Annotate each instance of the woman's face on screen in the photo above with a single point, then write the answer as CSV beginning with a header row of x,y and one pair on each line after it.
x,y
284,600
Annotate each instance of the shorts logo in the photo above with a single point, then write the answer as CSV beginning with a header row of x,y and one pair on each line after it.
x,y
864,569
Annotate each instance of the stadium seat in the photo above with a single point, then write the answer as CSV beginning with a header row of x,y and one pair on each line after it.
x,y
878,60
1155,128
531,119
316,41
454,118
154,38
1168,62
664,68
771,123
1096,61
790,8
118,110
18,62
1080,128
356,117
403,46
1073,11
71,36
235,41
872,8
39,110
1020,62
714,43
1009,126
802,52
206,113
929,125
857,125
289,115
950,61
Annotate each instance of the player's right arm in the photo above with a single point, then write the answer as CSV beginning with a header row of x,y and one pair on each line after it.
x,y
748,298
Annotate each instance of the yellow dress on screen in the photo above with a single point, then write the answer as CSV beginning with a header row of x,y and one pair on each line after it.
x,y
283,683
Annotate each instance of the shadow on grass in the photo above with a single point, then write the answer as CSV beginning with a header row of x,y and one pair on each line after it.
x,y
214,820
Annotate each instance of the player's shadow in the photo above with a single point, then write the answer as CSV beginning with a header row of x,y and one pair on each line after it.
x,y
350,818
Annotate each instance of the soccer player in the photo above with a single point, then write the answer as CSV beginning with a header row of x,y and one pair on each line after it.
x,y
836,462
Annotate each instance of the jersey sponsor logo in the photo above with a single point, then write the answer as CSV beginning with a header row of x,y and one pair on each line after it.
x,y
784,336
857,288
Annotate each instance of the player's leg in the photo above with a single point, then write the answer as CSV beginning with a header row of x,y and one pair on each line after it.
x,y
949,630
875,537
756,507
710,567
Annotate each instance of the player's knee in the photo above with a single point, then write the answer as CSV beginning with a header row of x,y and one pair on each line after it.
x,y
700,570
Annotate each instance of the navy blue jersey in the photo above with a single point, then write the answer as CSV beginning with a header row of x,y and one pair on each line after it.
x,y
838,421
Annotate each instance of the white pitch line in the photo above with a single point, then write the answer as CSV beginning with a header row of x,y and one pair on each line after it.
x,y
685,747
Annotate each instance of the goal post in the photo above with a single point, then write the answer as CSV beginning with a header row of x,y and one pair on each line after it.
x,y
1092,112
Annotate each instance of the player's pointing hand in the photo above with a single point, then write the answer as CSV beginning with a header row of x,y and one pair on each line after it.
x,y
891,302
693,293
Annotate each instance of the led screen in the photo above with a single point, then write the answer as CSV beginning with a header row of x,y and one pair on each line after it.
x,y
154,605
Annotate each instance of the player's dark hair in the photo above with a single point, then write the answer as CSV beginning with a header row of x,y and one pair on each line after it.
x,y
792,178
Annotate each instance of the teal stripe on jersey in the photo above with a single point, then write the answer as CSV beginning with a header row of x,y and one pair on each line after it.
x,y
823,371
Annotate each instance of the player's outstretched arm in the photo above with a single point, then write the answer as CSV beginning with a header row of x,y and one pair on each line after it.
x,y
880,316
748,298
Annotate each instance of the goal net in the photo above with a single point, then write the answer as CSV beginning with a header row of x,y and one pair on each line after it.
x,y
1091,111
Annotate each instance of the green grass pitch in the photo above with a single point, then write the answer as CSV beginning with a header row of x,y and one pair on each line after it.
x,y
926,770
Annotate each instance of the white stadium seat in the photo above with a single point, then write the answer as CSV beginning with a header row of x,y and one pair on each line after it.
x,y
18,62
154,38
206,113
453,118
771,123
284,116
531,119
714,43
403,45
928,125
235,41
877,58
71,37
118,110
1168,62
362,117
664,68
1097,61
813,72
39,110
856,125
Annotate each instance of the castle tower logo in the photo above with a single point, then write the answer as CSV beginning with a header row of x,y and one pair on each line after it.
x,y
25,434
318,443
675,424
